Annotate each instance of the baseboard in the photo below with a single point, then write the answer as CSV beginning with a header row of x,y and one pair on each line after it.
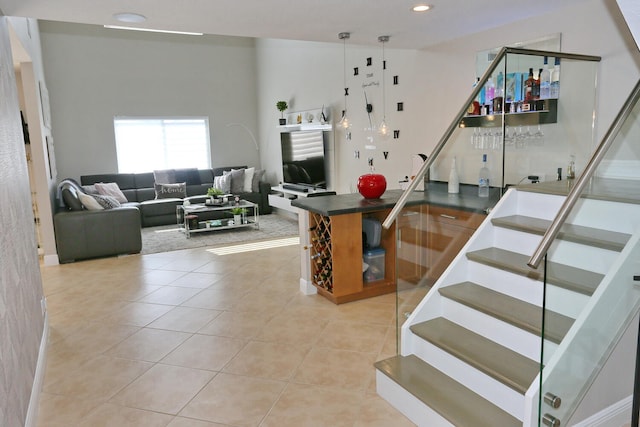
x,y
51,259
38,380
307,288
616,415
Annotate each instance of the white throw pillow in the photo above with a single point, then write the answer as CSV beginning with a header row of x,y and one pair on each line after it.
x,y
89,202
248,179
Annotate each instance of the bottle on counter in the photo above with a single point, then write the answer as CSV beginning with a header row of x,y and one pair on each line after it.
x,y
571,169
545,80
483,178
555,80
454,181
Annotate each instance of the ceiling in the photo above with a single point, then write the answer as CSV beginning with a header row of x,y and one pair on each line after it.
x,y
318,20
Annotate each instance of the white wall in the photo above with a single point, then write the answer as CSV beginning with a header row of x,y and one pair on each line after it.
x,y
95,74
434,85
21,318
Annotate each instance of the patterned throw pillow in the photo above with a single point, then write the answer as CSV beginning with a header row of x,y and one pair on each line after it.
x,y
222,183
107,202
171,191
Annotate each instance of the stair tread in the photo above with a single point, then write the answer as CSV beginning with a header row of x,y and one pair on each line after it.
x,y
519,313
596,237
454,402
503,364
571,278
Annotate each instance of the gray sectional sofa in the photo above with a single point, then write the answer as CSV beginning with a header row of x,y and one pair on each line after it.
x,y
82,233
139,188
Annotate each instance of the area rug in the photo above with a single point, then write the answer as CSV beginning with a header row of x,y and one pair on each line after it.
x,y
167,238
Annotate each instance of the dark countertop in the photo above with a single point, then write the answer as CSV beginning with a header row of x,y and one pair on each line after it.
x,y
436,194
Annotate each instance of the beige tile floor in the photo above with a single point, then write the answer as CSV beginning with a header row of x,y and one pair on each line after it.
x,y
195,339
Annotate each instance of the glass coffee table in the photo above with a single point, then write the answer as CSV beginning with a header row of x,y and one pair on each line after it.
x,y
193,218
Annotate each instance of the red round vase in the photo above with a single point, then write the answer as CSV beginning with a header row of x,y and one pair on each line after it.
x,y
372,185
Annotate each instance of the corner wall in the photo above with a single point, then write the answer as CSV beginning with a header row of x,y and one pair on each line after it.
x,y
94,74
21,317
434,84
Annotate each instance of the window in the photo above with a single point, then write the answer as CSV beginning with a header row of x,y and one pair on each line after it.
x,y
144,144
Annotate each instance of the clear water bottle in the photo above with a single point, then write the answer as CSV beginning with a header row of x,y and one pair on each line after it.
x,y
545,81
483,178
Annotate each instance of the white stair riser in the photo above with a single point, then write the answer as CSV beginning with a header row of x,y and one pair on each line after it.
x,y
405,402
503,333
492,390
582,256
515,241
558,299
508,283
538,205
621,217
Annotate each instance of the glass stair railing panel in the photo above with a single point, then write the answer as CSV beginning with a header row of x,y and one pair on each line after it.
x,y
591,275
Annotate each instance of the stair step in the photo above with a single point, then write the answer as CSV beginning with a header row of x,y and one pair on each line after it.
x,y
596,237
516,312
571,278
454,402
504,365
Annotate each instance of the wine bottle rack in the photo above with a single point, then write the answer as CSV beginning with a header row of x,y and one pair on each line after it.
x,y
321,251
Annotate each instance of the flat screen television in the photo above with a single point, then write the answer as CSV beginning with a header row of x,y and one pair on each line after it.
x,y
303,158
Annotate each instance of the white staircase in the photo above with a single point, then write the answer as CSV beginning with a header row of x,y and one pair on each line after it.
x,y
470,350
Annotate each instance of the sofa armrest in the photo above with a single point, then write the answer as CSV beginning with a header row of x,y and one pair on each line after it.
x,y
90,234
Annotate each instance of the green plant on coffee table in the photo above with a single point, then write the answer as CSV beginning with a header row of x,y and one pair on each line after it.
x,y
238,211
212,192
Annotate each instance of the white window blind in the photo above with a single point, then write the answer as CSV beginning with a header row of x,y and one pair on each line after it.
x,y
145,144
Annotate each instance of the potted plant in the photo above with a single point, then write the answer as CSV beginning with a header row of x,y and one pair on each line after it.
x,y
238,213
281,106
213,194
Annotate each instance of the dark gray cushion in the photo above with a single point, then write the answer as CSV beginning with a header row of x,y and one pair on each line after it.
x,y
188,175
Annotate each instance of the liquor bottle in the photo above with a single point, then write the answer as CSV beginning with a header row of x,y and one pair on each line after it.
x,y
545,80
489,93
528,86
555,80
454,181
536,85
498,99
483,178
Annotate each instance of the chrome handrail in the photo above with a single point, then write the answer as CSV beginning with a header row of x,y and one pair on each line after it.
x,y
582,180
388,222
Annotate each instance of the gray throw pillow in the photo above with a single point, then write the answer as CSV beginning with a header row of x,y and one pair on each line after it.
x,y
255,182
237,180
164,176
171,191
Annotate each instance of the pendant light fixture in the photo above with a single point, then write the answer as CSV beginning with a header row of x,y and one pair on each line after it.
x,y
344,122
383,129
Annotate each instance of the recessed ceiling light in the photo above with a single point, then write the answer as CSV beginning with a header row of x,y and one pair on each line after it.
x,y
129,17
421,7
